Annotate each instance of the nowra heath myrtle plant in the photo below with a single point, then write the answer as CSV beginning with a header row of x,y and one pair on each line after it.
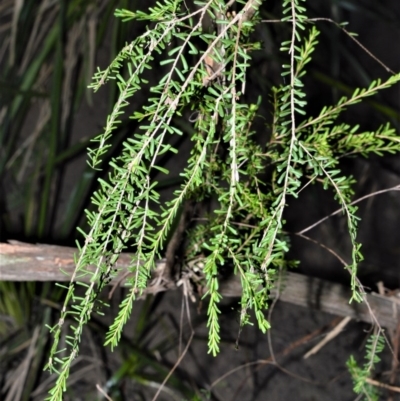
x,y
226,163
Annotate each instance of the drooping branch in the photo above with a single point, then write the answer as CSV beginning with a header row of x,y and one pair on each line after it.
x,y
26,262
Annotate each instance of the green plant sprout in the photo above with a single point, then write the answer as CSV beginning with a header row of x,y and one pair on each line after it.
x,y
246,229
360,375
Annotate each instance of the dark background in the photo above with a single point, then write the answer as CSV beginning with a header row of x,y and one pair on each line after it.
x,y
47,117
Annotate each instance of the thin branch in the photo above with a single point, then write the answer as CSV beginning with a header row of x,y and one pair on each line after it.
x,y
355,40
271,360
382,191
329,337
181,356
330,250
103,392
276,21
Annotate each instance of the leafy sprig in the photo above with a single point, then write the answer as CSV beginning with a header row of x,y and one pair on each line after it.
x,y
361,374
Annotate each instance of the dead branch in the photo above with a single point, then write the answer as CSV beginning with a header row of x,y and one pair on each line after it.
x,y
26,262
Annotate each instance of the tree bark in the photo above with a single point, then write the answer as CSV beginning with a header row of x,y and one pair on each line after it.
x,y
26,262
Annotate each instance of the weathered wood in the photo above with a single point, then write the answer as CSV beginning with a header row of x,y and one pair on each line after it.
x,y
26,262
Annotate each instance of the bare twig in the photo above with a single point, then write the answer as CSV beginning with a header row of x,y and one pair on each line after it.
x,y
276,21
16,381
182,355
103,392
271,360
355,40
382,191
330,336
382,385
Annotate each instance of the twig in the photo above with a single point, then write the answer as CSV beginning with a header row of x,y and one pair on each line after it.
x,y
355,40
17,380
330,336
330,250
382,385
276,21
270,360
103,392
382,191
179,360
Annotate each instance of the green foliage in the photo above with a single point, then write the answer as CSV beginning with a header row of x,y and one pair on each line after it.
x,y
48,50
226,164
360,375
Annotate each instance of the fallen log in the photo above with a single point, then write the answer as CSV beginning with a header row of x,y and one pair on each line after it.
x,y
26,262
